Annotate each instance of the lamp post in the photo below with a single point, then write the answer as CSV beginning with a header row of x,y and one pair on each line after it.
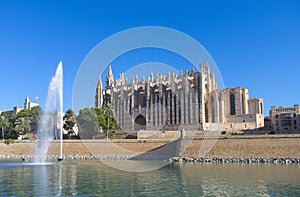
x,y
2,133
108,113
107,126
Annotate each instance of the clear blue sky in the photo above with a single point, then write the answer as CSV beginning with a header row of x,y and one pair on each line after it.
x,y
254,43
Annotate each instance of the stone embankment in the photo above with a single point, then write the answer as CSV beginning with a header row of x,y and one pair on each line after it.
x,y
65,157
172,160
274,148
236,160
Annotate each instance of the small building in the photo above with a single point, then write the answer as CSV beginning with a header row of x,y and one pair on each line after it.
x,y
285,119
12,112
27,106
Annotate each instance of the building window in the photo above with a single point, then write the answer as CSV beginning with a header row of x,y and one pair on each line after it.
x,y
277,123
232,104
287,115
286,123
295,127
245,125
294,115
276,115
261,108
295,122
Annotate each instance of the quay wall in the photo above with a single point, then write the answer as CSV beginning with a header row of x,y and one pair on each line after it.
x,y
260,146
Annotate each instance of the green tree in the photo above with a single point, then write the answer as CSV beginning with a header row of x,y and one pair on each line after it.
x,y
34,113
10,131
110,120
88,125
22,114
100,117
23,125
3,124
69,122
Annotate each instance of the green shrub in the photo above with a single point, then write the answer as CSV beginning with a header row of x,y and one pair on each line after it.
x,y
9,141
111,133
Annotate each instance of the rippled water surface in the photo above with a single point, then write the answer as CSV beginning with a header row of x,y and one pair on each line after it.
x,y
92,178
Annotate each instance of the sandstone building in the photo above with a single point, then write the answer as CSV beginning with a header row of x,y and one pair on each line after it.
x,y
189,100
11,112
27,106
285,119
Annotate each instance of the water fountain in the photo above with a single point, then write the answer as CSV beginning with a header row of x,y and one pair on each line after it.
x,y
51,117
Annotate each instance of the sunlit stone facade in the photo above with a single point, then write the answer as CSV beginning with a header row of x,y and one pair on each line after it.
x,y
189,100
285,119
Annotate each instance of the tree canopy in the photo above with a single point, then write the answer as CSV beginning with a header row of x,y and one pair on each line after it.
x,y
69,122
91,122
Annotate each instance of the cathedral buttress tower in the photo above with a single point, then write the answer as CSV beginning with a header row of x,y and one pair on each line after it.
x,y
110,83
109,79
99,94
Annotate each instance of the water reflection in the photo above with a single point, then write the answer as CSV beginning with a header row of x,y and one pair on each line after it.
x,y
40,180
92,178
233,179
59,180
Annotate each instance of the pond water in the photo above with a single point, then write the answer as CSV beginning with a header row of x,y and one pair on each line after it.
x,y
93,178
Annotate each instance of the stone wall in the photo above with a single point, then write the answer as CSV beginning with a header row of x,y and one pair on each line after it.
x,y
257,146
158,134
279,146
86,147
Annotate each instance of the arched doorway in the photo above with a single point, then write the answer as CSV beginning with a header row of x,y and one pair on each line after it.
x,y
140,123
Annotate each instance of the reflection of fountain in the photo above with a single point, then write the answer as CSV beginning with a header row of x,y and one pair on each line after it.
x,y
59,181
48,119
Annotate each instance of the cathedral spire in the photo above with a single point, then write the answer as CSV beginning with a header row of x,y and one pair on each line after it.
x,y
109,78
136,79
151,75
99,83
110,71
122,76
207,68
99,94
201,67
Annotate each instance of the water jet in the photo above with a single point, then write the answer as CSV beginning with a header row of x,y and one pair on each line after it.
x,y
51,118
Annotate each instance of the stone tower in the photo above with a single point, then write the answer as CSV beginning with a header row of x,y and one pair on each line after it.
x,y
99,94
109,79
109,85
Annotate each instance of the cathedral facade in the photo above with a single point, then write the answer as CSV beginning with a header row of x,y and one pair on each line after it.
x,y
189,100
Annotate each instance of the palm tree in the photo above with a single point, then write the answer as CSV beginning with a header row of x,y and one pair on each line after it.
x,y
3,123
23,125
